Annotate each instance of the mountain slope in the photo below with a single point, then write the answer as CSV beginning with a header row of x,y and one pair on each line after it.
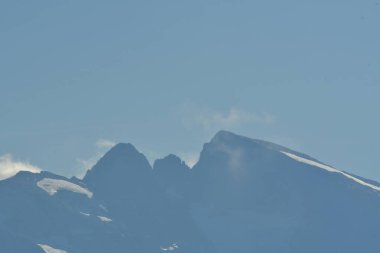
x,y
271,202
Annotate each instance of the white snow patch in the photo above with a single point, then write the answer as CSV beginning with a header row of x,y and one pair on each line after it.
x,y
49,249
172,247
104,219
52,186
330,169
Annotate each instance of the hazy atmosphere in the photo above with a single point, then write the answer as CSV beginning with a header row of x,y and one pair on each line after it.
x,y
79,76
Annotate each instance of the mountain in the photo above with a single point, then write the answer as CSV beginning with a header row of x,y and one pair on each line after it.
x,y
173,175
125,182
243,195
272,199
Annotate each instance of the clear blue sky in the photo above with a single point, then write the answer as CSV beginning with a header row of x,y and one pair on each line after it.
x,y
166,75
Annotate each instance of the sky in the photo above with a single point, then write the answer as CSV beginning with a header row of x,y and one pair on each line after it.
x,y
78,76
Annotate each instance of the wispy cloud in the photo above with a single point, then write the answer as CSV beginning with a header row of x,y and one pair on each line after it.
x,y
85,164
232,118
190,158
9,167
103,143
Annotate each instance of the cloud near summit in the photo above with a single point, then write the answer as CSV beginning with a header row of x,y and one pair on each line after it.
x,y
103,143
9,167
210,120
85,164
